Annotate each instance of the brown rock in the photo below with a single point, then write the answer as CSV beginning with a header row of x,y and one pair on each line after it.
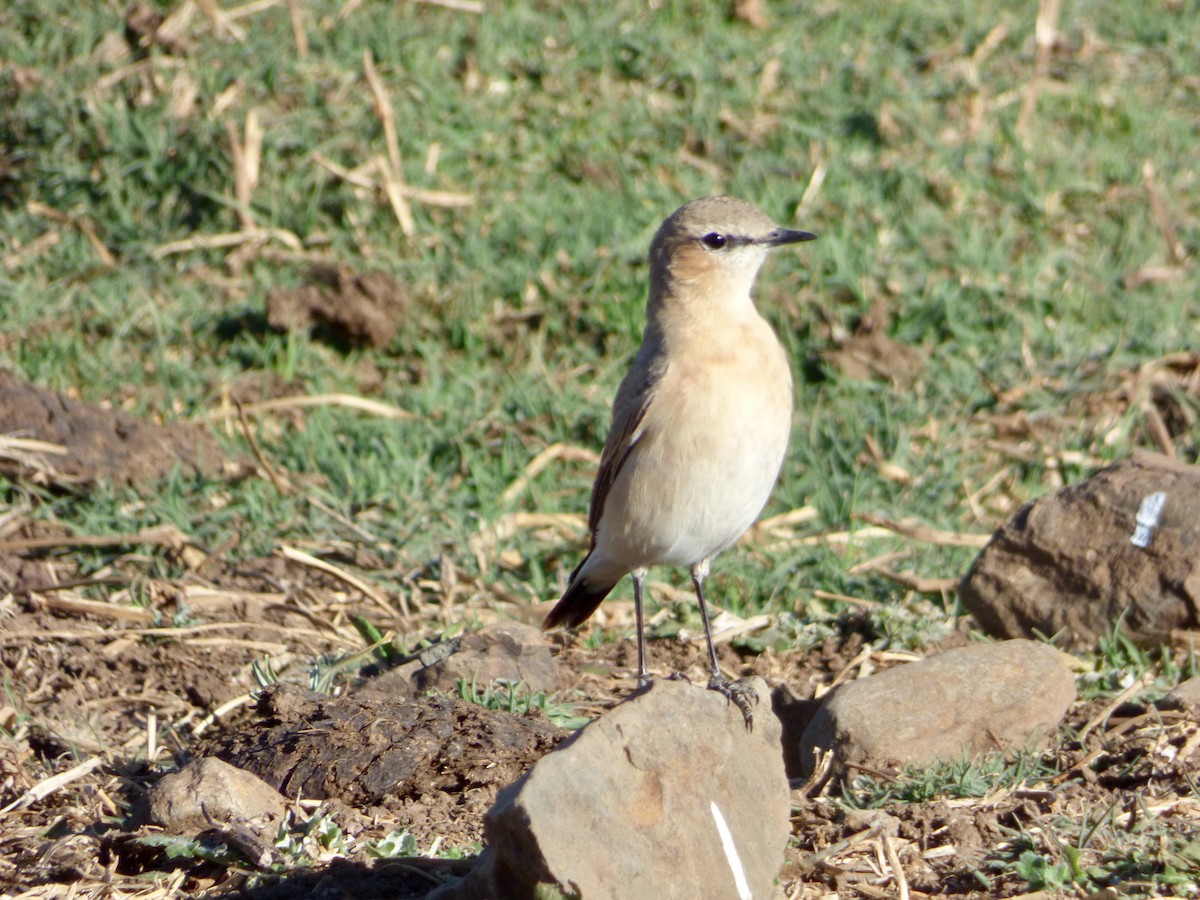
x,y
1186,694
1066,565
209,793
970,699
637,804
508,652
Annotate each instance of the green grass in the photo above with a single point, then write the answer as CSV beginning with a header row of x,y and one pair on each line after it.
x,y
1002,255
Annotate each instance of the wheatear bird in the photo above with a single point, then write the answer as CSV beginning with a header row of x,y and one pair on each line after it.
x,y
700,423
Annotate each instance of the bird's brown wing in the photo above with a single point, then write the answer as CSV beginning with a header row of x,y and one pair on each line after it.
x,y
628,425
633,399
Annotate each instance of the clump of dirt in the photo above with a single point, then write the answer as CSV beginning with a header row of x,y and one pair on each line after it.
x,y
91,444
868,352
343,307
433,764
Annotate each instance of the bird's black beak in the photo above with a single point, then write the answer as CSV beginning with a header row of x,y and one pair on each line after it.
x,y
782,236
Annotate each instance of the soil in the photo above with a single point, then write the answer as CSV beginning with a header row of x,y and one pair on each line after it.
x,y
103,696
88,688
431,766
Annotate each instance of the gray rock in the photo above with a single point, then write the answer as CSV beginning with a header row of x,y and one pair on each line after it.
x,y
209,793
1186,694
636,806
508,651
970,699
1068,564
505,651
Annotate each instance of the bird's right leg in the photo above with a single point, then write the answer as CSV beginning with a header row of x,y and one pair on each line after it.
x,y
639,576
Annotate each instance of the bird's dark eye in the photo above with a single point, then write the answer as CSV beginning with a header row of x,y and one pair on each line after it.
x,y
714,241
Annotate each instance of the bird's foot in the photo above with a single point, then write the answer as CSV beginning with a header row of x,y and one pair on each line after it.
x,y
678,676
739,693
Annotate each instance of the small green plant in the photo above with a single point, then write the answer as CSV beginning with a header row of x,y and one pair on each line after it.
x,y
1119,662
380,642
515,699
553,892
319,839
962,778
392,845
192,848
1044,875
264,672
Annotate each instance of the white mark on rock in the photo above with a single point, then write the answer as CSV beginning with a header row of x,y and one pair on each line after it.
x,y
1148,516
731,854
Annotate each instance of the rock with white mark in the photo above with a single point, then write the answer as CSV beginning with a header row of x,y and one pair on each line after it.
x,y
666,796
209,793
970,700
1122,546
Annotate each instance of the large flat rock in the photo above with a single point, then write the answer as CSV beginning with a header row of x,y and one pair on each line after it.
x,y
968,700
666,796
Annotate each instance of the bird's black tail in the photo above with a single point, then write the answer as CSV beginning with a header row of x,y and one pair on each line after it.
x,y
581,598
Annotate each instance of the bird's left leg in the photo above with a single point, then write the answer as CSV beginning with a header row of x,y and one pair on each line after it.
x,y
741,694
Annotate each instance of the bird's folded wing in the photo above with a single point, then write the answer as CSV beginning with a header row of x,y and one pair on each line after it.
x,y
628,425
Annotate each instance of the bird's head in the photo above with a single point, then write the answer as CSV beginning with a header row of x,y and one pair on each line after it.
x,y
711,249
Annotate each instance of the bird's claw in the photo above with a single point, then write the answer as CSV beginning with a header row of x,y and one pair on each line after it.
x,y
739,693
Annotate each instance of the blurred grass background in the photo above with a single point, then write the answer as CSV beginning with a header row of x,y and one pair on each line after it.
x,y
982,197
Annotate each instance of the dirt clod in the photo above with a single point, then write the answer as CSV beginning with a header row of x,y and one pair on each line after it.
x,y
869,352
208,792
346,307
100,444
508,651
435,763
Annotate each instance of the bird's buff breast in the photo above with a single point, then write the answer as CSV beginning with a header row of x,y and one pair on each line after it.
x,y
704,467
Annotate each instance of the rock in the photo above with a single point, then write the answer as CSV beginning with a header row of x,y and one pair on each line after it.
x,y
208,793
1186,694
1068,564
506,651
666,796
970,699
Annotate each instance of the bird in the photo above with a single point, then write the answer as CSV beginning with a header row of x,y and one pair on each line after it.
x,y
700,423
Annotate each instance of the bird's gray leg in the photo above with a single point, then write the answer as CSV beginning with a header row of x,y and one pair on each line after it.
x,y
639,576
741,694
